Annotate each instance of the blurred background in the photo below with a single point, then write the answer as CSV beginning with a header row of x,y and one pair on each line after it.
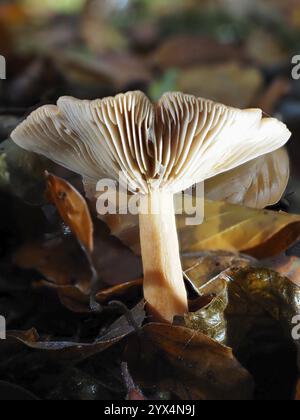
x,y
228,50
238,52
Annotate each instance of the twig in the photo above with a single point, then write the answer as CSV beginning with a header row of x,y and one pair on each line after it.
x,y
115,304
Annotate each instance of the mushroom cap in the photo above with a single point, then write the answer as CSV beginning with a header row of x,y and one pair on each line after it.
x,y
180,141
257,184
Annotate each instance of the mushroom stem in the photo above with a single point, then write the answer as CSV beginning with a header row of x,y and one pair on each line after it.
x,y
164,287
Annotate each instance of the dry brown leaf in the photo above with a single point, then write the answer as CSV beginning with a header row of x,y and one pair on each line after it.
x,y
188,364
185,50
257,184
65,269
73,209
228,83
204,266
60,261
77,351
114,70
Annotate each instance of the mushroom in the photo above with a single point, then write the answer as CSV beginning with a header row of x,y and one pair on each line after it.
x,y
257,184
160,150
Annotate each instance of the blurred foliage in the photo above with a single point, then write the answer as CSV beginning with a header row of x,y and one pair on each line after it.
x,y
46,6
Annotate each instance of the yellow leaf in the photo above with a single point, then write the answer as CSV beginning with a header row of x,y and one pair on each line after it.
x,y
226,227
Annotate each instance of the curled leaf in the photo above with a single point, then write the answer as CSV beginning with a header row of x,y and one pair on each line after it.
x,y
77,351
203,266
257,323
73,210
210,320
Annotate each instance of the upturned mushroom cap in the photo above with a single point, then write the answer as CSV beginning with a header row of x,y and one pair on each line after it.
x,y
258,184
169,146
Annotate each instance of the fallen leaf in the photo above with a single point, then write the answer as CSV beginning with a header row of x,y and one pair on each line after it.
x,y
257,322
182,51
210,319
262,305
259,233
187,364
229,83
78,351
205,266
73,210
60,261
78,301
64,267
103,74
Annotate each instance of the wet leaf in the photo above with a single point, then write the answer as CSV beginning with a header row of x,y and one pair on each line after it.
x,y
200,271
73,209
262,305
187,364
257,323
262,292
210,319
